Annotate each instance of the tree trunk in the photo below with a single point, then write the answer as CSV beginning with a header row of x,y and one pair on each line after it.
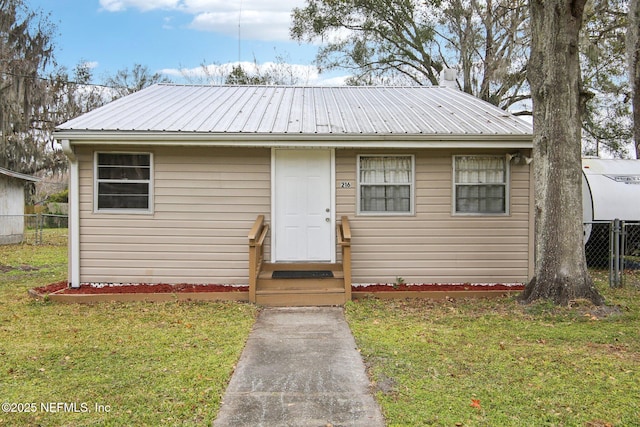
x,y
554,75
633,47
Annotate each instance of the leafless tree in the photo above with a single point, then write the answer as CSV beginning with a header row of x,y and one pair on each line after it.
x,y
126,82
26,49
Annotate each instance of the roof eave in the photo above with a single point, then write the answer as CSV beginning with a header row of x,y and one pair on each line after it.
x,y
333,140
18,175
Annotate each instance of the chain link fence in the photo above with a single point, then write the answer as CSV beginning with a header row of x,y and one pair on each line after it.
x,y
33,229
614,248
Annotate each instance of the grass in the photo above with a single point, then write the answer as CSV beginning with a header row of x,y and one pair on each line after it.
x,y
496,362
446,363
114,363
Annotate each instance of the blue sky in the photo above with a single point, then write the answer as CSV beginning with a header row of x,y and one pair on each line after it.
x,y
169,35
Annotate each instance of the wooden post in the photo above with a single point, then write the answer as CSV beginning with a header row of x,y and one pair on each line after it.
x,y
345,242
254,248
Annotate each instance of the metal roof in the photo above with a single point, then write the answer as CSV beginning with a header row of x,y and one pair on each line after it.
x,y
319,110
19,175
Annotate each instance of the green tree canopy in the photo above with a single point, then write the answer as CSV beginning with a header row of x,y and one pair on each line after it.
x,y
411,41
487,42
606,115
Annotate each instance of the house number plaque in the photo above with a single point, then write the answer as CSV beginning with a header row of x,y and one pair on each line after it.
x,y
345,184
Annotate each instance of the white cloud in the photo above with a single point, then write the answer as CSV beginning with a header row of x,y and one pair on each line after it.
x,y
259,19
142,5
254,25
91,64
167,25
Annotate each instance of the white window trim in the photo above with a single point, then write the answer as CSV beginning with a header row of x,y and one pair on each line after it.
x,y
507,188
147,211
412,185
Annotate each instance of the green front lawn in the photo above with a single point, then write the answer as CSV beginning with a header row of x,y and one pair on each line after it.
x,y
466,362
498,363
113,363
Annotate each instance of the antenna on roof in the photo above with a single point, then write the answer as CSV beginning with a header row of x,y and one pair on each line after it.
x,y
239,33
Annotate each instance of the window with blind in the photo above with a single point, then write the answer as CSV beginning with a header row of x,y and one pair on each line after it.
x,y
480,185
385,184
123,182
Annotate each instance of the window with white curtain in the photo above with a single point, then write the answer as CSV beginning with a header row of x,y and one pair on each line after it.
x,y
385,184
480,184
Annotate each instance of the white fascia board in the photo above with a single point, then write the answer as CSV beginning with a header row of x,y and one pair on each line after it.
x,y
19,175
118,138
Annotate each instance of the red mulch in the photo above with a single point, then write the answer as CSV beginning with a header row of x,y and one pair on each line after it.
x,y
62,288
142,288
438,287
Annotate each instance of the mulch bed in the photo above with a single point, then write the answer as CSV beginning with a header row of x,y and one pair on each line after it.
x,y
62,288
143,288
437,287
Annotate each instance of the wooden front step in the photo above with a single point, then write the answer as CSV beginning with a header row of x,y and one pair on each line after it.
x,y
273,266
299,298
300,292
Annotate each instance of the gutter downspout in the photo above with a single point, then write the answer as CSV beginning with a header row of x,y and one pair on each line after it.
x,y
74,215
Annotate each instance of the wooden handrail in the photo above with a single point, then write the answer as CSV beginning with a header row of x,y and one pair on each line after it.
x,y
344,240
263,235
257,236
346,230
257,226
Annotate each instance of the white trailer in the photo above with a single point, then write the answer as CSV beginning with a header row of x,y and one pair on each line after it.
x,y
610,190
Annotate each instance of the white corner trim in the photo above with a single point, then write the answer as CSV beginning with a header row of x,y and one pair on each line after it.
x,y
74,215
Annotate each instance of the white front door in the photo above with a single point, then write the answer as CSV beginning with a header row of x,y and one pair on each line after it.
x,y
303,217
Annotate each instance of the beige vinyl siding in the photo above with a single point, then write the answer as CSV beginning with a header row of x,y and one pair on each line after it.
x,y
434,246
205,202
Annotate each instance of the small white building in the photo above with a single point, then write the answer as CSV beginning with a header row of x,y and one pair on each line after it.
x,y
12,205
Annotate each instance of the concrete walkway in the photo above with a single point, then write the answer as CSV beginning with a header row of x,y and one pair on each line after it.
x,y
300,367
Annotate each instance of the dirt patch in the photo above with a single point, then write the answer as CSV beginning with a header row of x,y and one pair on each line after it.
x,y
23,267
603,311
594,312
385,385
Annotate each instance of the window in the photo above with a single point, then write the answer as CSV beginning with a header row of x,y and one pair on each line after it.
x,y
123,182
480,185
385,184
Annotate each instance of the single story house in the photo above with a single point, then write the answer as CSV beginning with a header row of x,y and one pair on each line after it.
x,y
12,205
417,184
